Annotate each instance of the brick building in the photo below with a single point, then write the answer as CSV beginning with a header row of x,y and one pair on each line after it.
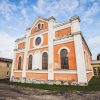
x,y
5,68
52,51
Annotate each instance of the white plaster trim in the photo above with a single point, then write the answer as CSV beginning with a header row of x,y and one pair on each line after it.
x,y
44,51
12,67
20,50
37,33
37,71
18,71
37,59
51,33
57,24
80,62
62,27
75,26
66,71
89,71
63,48
66,40
46,46
25,55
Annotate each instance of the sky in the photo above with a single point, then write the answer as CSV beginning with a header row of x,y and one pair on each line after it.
x,y
17,15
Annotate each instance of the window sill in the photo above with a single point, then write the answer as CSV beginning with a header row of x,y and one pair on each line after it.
x,y
66,71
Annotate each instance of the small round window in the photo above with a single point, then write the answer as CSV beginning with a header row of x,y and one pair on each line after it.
x,y
37,41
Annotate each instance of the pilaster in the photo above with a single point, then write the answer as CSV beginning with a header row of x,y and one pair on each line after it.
x,y
50,49
25,56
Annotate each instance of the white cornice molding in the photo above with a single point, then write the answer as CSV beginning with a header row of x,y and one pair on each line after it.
x,y
60,27
37,48
37,33
65,72
37,71
66,40
62,23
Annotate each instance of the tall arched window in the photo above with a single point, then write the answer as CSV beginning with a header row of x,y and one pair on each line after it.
x,y
98,57
19,63
39,26
45,60
30,62
64,59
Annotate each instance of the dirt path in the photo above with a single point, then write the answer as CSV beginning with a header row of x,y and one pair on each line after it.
x,y
17,93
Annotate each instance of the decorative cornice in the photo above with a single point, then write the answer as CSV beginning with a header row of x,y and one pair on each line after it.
x,y
61,24
63,37
20,39
47,19
36,33
74,18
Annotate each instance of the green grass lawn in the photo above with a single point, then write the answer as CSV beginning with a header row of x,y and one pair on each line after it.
x,y
94,85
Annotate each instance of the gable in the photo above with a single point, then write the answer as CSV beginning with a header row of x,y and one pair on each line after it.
x,y
39,25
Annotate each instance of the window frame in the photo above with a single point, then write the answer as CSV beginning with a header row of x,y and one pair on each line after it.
x,y
45,61
63,57
30,62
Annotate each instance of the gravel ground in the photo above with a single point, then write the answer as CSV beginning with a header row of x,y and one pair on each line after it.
x,y
8,92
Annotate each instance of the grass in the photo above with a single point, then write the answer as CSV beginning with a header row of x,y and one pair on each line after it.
x,y
94,85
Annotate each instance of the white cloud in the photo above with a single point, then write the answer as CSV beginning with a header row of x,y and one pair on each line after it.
x,y
90,12
94,42
6,9
55,8
6,45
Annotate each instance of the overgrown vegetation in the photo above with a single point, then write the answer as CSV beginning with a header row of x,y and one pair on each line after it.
x,y
94,85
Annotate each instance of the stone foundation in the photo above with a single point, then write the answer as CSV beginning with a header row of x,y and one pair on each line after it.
x,y
50,82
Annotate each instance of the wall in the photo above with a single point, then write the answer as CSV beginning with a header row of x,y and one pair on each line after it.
x,y
71,55
4,69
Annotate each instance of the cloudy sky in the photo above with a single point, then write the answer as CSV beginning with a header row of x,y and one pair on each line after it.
x,y
17,15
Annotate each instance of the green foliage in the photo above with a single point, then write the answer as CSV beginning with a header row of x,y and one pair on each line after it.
x,y
94,85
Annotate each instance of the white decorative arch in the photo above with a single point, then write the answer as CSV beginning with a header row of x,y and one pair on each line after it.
x,y
63,48
44,51
37,46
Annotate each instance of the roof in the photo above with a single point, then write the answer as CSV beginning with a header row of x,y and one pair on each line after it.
x,y
6,60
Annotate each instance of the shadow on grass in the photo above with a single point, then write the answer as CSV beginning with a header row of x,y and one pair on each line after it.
x,y
94,85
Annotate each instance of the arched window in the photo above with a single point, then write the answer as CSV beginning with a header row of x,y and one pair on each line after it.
x,y
19,63
45,60
39,26
98,57
30,62
64,59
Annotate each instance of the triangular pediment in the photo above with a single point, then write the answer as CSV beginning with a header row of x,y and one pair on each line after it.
x,y
38,25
